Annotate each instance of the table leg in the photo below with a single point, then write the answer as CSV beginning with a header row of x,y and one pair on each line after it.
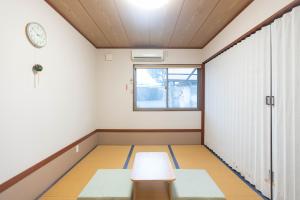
x,y
134,190
170,190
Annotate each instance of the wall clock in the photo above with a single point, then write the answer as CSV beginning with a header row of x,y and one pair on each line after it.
x,y
36,34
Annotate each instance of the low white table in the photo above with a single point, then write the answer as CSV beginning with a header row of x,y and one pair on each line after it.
x,y
152,166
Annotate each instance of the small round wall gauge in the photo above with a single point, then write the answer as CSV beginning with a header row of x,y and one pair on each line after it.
x,y
36,34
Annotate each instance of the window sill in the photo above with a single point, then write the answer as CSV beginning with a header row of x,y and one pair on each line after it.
x,y
161,109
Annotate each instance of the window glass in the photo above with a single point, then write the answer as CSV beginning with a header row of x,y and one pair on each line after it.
x,y
183,88
151,88
166,88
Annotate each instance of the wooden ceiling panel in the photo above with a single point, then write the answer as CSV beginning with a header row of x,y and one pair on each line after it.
x,y
136,22
178,24
162,23
224,12
104,13
75,14
192,16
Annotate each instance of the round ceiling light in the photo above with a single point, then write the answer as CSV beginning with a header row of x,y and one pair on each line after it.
x,y
149,4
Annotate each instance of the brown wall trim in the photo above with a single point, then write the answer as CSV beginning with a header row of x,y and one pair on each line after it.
x,y
148,130
72,167
42,163
7,184
266,22
149,138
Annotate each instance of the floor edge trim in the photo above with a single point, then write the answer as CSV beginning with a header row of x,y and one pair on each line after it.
x,y
125,166
173,157
239,175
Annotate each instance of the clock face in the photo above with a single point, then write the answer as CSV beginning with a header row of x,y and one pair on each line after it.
x,y
36,34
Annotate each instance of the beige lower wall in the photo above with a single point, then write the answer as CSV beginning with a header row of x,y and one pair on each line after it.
x,y
149,138
33,185
36,183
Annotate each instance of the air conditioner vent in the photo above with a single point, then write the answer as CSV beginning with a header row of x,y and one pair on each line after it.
x,y
147,55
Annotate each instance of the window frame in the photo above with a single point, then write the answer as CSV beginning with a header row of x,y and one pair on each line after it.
x,y
167,66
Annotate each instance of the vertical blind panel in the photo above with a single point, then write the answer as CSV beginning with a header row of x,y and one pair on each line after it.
x,y
286,115
237,122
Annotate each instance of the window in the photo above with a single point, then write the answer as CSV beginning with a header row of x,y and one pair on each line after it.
x,y
166,87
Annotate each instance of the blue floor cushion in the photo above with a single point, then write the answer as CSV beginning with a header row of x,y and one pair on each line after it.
x,y
108,184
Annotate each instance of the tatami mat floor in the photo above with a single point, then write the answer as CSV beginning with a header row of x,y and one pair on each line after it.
x,y
188,156
199,157
102,157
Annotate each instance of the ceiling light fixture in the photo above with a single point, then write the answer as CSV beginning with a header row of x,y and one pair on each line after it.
x,y
149,4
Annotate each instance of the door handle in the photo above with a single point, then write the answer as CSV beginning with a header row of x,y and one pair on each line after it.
x,y
270,100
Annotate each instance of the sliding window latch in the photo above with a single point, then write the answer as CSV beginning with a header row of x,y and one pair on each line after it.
x,y
270,100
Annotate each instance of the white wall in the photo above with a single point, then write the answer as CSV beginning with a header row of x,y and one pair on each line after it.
x,y
115,104
255,13
35,123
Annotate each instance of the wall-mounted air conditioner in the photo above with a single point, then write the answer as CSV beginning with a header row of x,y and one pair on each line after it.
x,y
147,55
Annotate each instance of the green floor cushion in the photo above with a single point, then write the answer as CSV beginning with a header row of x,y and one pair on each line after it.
x,y
108,184
194,184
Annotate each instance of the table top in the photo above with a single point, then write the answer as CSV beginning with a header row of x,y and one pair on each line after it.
x,y
152,166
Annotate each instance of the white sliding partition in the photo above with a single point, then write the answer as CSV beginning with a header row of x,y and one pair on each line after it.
x,y
237,121
286,111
